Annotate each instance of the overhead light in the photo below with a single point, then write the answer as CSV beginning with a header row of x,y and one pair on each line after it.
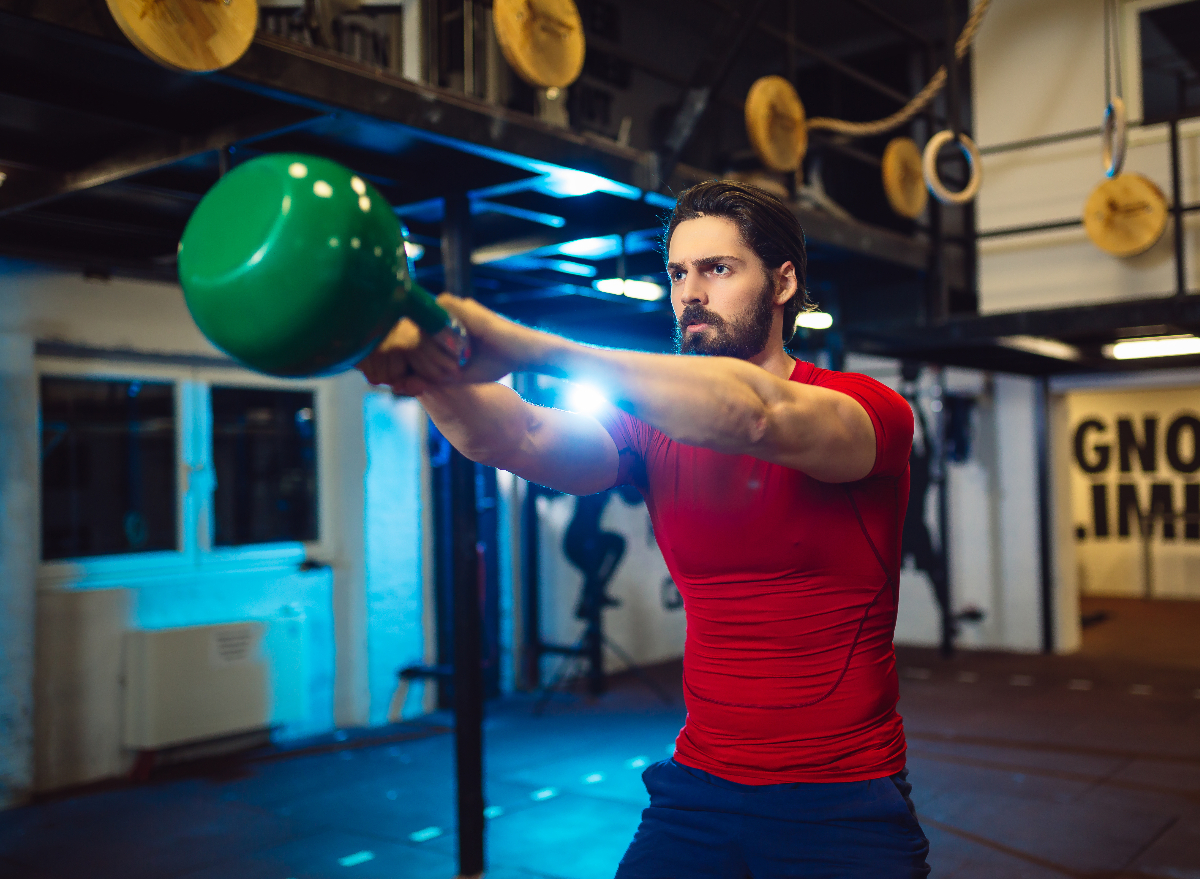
x,y
1041,346
585,399
583,270
1152,346
646,290
592,248
413,250
569,182
814,320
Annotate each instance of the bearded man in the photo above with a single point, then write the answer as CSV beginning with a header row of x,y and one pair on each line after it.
x,y
777,491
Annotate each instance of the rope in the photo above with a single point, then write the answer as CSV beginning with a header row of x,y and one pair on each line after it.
x,y
922,98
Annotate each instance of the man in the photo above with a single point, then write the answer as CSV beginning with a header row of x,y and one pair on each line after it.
x,y
777,492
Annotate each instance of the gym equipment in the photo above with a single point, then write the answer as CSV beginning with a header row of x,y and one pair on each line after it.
x,y
295,266
1125,215
775,123
1113,131
920,101
541,39
189,35
903,180
929,167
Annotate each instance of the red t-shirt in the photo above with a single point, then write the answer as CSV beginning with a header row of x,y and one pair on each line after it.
x,y
790,589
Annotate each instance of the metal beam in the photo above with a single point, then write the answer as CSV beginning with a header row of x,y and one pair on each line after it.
x,y
1068,323
467,570
863,239
823,57
894,23
25,188
710,75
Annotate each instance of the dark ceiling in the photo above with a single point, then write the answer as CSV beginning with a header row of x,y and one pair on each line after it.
x,y
106,154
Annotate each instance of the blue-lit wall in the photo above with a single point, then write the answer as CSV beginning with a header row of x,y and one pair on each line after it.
x,y
395,572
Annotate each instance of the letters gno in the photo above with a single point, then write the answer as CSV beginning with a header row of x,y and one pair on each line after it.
x,y
1094,455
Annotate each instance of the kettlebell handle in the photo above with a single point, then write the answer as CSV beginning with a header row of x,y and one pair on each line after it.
x,y
439,323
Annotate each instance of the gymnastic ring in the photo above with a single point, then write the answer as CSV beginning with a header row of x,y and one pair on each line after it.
x,y
929,167
1112,137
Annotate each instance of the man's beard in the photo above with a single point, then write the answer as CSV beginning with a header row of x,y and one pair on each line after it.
x,y
742,337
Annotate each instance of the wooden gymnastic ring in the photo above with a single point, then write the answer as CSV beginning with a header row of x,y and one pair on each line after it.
x,y
1112,137
929,166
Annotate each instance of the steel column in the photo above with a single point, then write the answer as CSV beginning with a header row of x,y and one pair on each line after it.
x,y
1045,542
1177,212
465,553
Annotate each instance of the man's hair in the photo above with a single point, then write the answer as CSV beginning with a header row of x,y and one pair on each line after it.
x,y
767,226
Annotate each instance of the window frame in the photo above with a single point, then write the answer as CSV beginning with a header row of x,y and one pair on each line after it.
x,y
1129,36
195,553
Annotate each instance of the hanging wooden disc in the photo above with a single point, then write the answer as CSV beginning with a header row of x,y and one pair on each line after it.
x,y
903,179
541,39
776,124
1125,215
190,35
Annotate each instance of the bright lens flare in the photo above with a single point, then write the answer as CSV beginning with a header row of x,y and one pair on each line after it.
x,y
814,320
364,204
322,189
358,186
585,399
1153,346
413,250
298,170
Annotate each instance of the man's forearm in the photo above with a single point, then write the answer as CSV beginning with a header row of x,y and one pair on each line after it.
x,y
485,422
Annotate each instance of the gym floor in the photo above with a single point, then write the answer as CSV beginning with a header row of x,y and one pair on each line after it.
x,y
1024,766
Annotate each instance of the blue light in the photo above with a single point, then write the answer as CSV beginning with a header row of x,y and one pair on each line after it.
x,y
569,182
572,268
658,200
602,247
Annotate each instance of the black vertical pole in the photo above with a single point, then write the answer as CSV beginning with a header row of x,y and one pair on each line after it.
x,y
1177,211
468,673
530,554
1041,416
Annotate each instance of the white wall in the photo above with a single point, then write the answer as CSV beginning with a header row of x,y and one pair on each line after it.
x,y
993,544
641,626
18,563
1038,69
395,567
351,635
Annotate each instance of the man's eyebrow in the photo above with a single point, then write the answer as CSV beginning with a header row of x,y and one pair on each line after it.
x,y
705,261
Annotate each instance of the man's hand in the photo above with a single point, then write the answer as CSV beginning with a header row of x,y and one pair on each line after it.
x,y
412,363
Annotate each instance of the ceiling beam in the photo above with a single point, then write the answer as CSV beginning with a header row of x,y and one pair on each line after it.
x,y
26,187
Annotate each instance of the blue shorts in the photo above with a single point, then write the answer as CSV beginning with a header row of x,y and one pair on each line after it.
x,y
699,826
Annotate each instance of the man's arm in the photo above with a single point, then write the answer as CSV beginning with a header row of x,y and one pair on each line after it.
x,y
491,424
719,403
728,405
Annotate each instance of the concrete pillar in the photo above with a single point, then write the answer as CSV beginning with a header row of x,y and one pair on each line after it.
x,y
1018,550
19,541
344,459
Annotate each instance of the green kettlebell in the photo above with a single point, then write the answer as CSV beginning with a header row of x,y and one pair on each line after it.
x,y
295,266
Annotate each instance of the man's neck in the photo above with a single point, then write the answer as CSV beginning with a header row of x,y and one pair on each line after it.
x,y
775,361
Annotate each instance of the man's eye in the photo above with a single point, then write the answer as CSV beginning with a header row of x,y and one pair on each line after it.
x,y
720,268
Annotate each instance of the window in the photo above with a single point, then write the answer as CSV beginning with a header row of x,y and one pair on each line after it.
x,y
1170,46
108,467
264,457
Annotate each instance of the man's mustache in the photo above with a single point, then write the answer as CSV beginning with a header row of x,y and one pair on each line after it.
x,y
698,314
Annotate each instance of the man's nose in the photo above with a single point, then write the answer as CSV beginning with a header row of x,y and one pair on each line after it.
x,y
692,291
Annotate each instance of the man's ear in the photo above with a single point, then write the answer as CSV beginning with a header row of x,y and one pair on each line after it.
x,y
785,283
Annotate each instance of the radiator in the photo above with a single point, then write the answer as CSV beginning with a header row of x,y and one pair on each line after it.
x,y
188,684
